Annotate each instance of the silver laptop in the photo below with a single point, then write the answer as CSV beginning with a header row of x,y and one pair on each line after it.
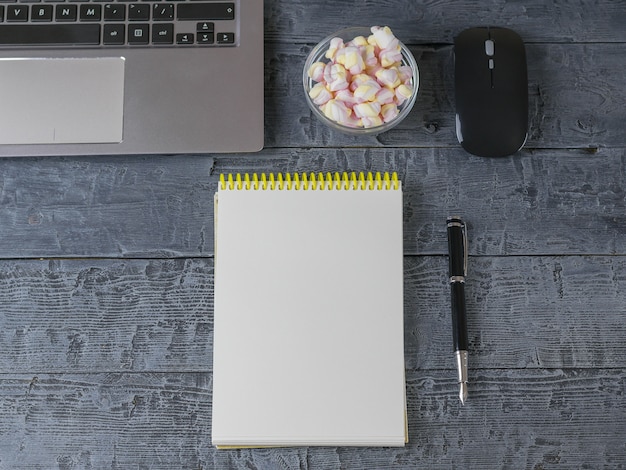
x,y
127,77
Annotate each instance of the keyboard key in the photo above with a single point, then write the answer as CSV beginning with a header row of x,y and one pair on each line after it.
x,y
51,34
17,13
138,33
163,11
139,12
162,33
66,12
205,38
205,26
205,11
226,38
184,38
114,34
90,12
114,12
41,13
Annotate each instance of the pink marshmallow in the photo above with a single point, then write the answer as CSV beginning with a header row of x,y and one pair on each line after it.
x,y
405,74
390,57
358,41
384,37
358,80
371,122
369,56
388,77
385,95
319,94
350,57
335,44
336,76
389,112
347,97
367,110
336,111
367,91
403,93
316,71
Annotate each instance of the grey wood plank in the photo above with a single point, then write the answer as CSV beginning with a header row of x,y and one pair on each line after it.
x,y
536,202
157,315
106,206
576,100
103,315
513,419
439,21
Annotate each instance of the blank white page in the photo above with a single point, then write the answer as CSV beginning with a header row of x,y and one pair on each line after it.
x,y
308,339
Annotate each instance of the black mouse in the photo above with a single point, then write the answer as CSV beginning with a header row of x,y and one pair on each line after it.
x,y
491,90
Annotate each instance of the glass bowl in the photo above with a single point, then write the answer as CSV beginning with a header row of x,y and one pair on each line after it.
x,y
318,55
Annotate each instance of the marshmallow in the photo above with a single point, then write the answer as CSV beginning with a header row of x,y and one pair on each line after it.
x,y
383,37
405,74
368,110
388,77
385,95
389,112
336,77
316,71
371,122
335,44
390,57
369,56
347,97
403,93
358,80
367,91
358,41
319,94
337,111
351,58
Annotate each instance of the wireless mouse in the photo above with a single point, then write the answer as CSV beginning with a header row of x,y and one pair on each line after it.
x,y
491,91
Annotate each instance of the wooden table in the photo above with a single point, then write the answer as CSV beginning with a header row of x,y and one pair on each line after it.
x,y
106,270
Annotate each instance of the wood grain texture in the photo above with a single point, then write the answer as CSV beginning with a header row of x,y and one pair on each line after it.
x,y
429,21
90,315
157,315
536,202
516,419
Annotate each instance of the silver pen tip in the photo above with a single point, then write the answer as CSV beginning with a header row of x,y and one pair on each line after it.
x,y
463,393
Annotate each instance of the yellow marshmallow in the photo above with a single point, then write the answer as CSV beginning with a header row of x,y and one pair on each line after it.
x,y
368,110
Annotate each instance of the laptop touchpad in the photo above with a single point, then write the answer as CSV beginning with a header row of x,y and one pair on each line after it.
x,y
47,101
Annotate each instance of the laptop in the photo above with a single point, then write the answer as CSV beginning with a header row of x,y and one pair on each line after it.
x,y
83,77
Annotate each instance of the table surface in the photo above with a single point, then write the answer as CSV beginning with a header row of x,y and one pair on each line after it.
x,y
106,264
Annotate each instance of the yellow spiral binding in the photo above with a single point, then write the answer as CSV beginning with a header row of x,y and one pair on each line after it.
x,y
311,181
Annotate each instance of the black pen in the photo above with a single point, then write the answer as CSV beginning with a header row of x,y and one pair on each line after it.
x,y
457,250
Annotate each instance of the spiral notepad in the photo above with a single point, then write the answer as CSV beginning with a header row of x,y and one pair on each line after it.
x,y
308,339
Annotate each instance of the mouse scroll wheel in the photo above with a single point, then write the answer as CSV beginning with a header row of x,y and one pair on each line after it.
x,y
489,47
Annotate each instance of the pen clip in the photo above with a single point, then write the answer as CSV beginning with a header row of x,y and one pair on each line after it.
x,y
465,248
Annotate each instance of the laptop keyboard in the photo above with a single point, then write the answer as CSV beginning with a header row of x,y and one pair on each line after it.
x,y
115,23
